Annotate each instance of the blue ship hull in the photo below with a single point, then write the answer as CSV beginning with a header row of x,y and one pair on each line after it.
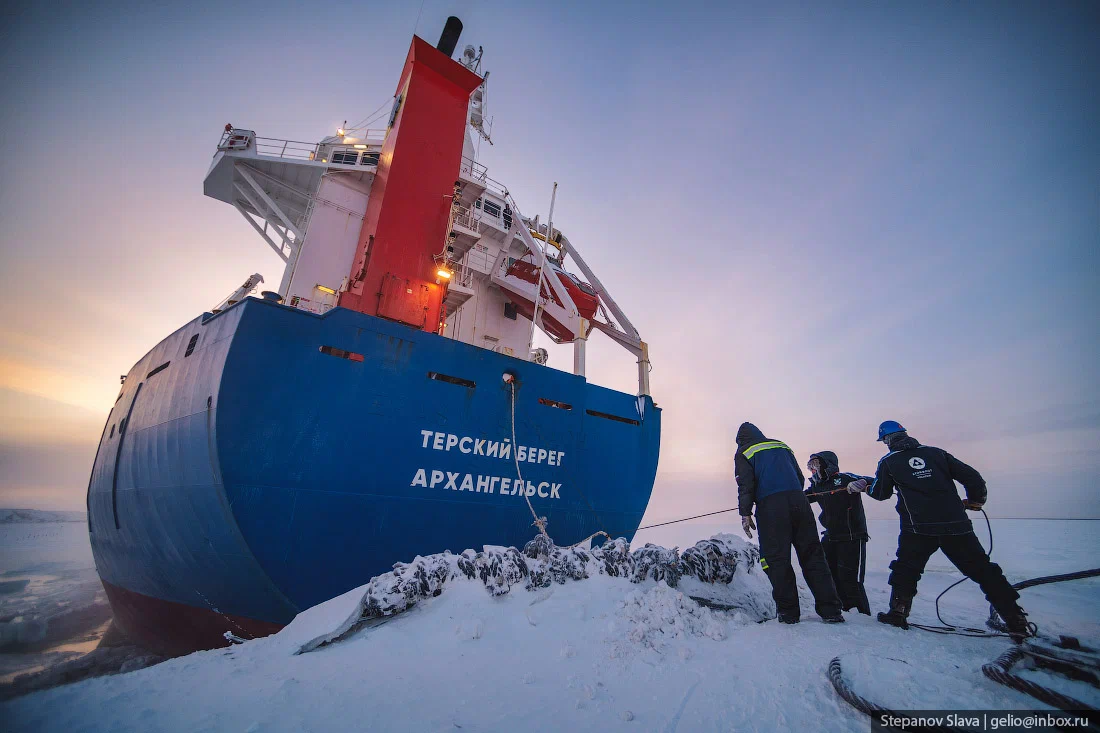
x,y
265,459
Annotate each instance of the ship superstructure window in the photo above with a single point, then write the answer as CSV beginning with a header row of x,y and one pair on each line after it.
x,y
370,158
191,346
510,311
345,157
491,209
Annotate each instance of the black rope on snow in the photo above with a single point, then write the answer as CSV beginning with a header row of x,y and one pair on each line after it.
x,y
836,676
677,521
995,622
999,670
1080,574
962,630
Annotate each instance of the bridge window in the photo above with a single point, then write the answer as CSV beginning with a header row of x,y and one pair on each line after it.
x,y
491,209
345,157
510,311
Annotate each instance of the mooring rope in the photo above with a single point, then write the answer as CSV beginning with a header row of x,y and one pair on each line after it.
x,y
539,522
836,676
999,671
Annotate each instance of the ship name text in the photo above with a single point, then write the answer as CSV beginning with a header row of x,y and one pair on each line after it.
x,y
487,484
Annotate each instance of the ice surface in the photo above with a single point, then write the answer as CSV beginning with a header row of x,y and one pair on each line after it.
x,y
600,653
52,605
38,516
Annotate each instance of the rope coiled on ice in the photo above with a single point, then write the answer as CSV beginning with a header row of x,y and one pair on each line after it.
x,y
836,676
999,670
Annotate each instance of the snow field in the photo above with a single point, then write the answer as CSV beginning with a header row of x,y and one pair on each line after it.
x,y
597,654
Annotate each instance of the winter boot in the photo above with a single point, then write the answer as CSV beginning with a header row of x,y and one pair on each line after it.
x,y
899,611
838,619
1016,622
787,619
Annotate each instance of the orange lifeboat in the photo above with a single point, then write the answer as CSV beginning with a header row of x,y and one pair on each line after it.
x,y
583,295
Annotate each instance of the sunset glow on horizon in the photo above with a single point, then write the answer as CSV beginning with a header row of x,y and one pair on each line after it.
x,y
820,217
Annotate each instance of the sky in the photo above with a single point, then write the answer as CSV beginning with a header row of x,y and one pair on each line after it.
x,y
819,215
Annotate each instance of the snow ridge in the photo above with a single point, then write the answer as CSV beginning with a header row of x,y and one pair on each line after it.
x,y
719,560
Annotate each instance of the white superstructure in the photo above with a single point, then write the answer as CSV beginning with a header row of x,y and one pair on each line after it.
x,y
308,201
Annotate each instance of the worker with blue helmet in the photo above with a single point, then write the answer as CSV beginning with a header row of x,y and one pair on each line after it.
x,y
933,517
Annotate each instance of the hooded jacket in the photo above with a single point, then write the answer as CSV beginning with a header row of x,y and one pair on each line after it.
x,y
762,467
842,515
928,500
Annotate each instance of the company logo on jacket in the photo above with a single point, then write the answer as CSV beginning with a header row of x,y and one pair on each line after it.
x,y
917,463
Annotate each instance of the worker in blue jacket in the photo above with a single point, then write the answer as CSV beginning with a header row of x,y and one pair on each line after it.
x,y
844,537
768,477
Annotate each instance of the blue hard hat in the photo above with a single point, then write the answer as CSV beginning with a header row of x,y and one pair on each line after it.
x,y
888,427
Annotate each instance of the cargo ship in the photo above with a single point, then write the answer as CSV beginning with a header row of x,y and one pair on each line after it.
x,y
385,402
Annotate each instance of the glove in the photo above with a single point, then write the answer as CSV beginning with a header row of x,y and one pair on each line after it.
x,y
857,486
972,506
748,525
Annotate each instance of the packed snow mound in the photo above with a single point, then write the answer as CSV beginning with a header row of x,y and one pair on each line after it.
x,y
662,615
723,568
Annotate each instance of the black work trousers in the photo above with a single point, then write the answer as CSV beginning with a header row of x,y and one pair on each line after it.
x,y
783,520
847,561
965,552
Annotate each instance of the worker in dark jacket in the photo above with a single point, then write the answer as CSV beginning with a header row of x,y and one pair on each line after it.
x,y
934,518
768,476
844,537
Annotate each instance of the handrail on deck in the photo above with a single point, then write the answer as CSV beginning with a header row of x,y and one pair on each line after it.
x,y
236,139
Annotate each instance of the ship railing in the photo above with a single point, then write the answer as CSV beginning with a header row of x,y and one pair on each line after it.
x,y
464,217
239,140
270,147
479,260
462,275
473,170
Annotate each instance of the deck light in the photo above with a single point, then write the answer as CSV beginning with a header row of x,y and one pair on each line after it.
x,y
444,273
324,289
360,147
340,131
